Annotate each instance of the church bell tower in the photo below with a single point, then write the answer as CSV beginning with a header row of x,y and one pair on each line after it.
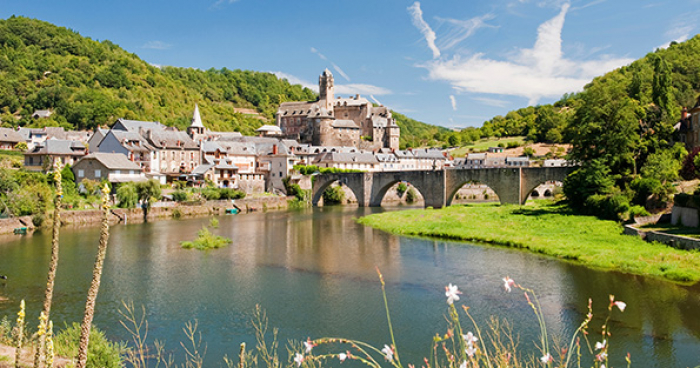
x,y
326,90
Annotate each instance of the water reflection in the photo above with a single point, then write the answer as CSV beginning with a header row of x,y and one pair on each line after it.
x,y
314,273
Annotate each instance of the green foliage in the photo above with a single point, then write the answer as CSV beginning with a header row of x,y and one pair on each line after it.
x,y
528,151
127,195
21,146
401,189
411,195
333,195
213,194
593,178
102,353
148,191
312,169
206,240
179,196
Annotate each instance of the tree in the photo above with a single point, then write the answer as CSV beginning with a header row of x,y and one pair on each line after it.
x,y
662,88
592,178
528,151
148,191
127,195
21,146
606,126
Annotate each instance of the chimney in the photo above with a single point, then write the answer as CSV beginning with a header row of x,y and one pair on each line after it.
x,y
274,149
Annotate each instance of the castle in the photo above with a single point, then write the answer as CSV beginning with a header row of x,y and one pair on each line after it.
x,y
349,122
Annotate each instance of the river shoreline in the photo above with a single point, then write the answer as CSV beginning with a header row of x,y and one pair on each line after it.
x,y
162,211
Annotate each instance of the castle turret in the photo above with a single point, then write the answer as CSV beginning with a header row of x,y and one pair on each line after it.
x,y
326,90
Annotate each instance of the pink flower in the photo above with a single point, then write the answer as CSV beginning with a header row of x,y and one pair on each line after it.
x,y
342,357
308,344
388,352
546,358
508,283
298,358
451,292
621,305
602,356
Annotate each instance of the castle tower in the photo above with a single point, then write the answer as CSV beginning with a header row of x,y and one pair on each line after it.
x,y
196,127
326,90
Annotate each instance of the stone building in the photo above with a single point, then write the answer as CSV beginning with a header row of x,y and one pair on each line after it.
x,y
331,121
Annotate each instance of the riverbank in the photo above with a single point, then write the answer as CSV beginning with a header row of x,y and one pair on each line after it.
x,y
160,211
549,229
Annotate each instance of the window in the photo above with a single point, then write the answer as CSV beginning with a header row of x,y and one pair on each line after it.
x,y
131,172
81,173
117,172
98,173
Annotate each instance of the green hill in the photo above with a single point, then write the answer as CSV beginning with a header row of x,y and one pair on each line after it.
x,y
89,83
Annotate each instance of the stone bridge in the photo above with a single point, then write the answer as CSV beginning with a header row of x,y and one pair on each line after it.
x,y
438,187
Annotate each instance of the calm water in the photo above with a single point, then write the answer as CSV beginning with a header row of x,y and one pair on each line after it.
x,y
313,271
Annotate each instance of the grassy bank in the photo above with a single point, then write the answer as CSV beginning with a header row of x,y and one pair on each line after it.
x,y
550,229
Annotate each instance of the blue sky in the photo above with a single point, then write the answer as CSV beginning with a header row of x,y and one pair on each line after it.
x,y
450,63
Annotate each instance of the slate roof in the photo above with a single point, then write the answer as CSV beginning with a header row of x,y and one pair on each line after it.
x,y
10,135
58,147
112,161
128,140
170,139
135,125
196,118
341,157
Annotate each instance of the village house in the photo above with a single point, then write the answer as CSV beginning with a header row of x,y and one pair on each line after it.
x,y
44,155
112,167
9,138
365,161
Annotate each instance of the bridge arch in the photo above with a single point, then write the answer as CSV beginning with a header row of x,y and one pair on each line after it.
x,y
503,181
531,179
354,181
429,183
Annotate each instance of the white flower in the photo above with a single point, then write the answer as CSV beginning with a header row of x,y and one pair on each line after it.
x,y
388,352
298,358
463,365
451,292
469,338
507,283
600,345
342,357
621,305
546,358
470,350
308,344
601,357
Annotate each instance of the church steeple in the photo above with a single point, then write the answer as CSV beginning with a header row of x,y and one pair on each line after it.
x,y
326,90
196,127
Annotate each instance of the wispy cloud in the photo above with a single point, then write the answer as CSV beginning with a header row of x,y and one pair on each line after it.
x,y
334,65
492,101
218,3
678,33
460,30
156,45
541,71
375,99
424,28
363,89
453,101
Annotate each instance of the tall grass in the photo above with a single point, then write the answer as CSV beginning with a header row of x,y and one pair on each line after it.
x,y
549,229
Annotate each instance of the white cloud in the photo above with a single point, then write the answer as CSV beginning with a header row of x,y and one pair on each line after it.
x,y
340,71
358,88
218,3
375,99
156,45
424,28
323,57
453,101
492,101
462,29
294,80
541,71
678,33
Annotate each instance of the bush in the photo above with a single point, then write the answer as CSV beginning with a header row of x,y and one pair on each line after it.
x,y
333,195
101,352
127,195
206,240
411,195
38,220
401,189
179,196
608,206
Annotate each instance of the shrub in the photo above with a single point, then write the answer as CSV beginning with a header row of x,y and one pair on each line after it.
x,y
608,206
401,189
127,196
411,195
179,196
333,195
206,240
101,352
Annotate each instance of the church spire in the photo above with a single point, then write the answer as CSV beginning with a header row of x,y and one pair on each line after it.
x,y
196,119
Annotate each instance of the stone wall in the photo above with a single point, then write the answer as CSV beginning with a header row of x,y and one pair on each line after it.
x,y
135,215
685,215
676,241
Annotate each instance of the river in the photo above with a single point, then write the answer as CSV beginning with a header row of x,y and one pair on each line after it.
x,y
314,272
